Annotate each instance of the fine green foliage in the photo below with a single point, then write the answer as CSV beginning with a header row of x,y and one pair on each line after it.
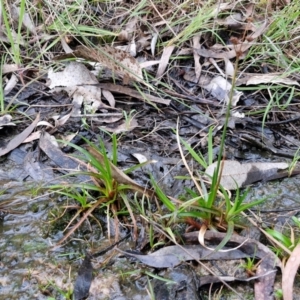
x,y
68,20
66,294
105,186
233,210
288,241
200,22
198,156
104,192
207,208
249,266
81,197
108,186
278,294
281,30
14,42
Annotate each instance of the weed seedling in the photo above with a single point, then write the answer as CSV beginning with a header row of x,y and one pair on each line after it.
x,y
250,266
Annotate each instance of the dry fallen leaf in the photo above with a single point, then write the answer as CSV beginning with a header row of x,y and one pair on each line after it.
x,y
118,61
239,19
65,46
229,68
236,175
264,286
74,74
289,273
220,88
6,121
17,140
270,78
153,43
109,97
240,48
33,136
164,60
10,84
80,84
198,67
26,20
129,31
133,93
140,157
60,121
169,257
125,126
9,68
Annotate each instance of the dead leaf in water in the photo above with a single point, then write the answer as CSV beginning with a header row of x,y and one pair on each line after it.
x,y
36,169
49,146
84,279
266,272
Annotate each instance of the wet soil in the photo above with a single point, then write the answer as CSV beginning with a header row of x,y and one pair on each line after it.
x,y
33,220
30,269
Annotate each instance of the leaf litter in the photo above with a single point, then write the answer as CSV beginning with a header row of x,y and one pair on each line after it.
x,y
198,69
235,175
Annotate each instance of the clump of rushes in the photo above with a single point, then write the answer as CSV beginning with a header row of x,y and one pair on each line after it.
x,y
107,188
205,205
207,211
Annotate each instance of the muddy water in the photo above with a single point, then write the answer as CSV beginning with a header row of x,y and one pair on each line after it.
x,y
29,269
25,259
284,194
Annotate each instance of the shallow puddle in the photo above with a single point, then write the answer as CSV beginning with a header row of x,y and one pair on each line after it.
x,y
30,269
